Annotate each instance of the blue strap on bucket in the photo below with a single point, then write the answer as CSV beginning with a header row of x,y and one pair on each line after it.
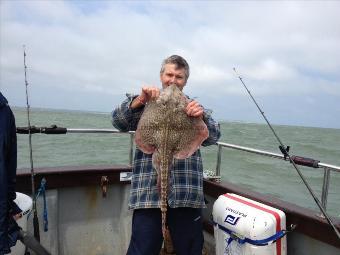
x,y
242,240
42,191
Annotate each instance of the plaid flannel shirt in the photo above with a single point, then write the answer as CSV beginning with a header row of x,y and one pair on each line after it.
x,y
186,175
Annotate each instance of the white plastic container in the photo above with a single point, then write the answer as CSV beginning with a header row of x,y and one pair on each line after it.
x,y
241,224
25,204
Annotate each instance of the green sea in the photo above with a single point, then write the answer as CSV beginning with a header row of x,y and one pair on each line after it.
x,y
258,173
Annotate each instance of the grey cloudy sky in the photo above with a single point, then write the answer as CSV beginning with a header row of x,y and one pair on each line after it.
x,y
85,55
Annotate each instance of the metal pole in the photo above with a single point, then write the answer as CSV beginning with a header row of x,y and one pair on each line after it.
x,y
92,130
329,166
218,162
325,187
131,148
251,150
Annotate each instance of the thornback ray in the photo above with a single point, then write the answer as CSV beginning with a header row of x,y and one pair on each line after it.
x,y
168,132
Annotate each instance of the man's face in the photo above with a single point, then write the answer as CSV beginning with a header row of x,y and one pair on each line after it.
x,y
172,75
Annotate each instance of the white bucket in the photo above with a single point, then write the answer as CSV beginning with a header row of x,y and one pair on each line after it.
x,y
238,219
25,204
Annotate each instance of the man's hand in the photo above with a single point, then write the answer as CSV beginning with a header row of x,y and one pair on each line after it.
x,y
148,93
194,109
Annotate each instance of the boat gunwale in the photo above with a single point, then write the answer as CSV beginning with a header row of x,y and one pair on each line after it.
x,y
307,221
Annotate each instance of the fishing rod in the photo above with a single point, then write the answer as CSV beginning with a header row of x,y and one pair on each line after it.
x,y
55,130
286,154
35,215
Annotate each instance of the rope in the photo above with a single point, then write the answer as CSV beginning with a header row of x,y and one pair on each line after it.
x,y
241,240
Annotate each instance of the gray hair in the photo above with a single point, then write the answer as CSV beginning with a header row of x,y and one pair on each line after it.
x,y
179,62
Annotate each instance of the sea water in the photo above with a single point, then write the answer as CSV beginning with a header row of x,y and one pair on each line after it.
x,y
255,172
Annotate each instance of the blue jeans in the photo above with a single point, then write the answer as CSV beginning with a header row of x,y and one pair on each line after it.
x,y
185,225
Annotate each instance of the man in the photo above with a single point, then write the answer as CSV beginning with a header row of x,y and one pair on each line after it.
x,y
185,198
8,166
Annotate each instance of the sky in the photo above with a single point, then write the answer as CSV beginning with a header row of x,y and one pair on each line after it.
x,y
86,55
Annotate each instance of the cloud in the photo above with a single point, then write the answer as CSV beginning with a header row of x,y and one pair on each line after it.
x,y
271,70
113,47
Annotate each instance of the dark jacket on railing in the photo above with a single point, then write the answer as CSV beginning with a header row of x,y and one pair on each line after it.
x,y
8,165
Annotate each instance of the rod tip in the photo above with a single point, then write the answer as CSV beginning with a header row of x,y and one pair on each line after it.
x,y
234,68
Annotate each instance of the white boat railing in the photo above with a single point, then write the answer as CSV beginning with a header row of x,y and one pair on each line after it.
x,y
220,145
327,167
